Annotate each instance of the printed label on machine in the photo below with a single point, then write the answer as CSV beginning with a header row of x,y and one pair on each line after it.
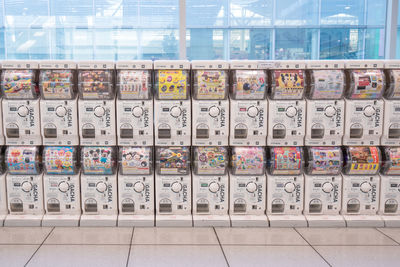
x,y
249,84
172,84
211,84
363,160
59,160
289,84
134,84
173,160
325,160
210,160
368,84
248,160
22,160
135,160
97,160
56,84
18,84
286,160
95,84
328,84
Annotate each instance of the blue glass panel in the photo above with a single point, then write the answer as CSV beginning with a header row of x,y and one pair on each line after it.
x,y
205,44
341,43
296,12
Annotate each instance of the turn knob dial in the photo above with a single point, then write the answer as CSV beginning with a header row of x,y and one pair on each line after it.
x,y
176,111
137,112
101,187
365,187
369,111
252,111
251,187
61,111
138,187
26,186
213,187
289,187
327,187
176,187
99,111
291,112
330,111
23,111
213,111
63,187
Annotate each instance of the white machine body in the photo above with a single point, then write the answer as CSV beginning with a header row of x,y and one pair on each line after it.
x,y
360,194
210,194
389,195
136,194
363,122
286,122
391,124
3,196
323,194
247,194
25,194
62,194
173,194
2,142
99,194
285,194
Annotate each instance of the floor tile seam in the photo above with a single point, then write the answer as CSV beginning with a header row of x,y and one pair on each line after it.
x,y
383,233
44,240
130,247
221,247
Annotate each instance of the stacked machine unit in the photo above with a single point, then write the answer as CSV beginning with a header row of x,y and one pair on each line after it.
x,y
285,187
134,103
323,187
173,183
247,183
390,184
58,106
24,186
210,186
61,186
248,125
3,191
210,104
361,186
325,106
136,186
99,186
287,108
21,111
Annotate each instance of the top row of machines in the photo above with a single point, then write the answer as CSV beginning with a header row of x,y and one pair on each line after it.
x,y
229,103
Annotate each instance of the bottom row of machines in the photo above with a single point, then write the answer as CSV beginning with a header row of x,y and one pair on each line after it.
x,y
318,186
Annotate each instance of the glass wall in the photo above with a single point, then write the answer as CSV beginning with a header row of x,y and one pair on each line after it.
x,y
215,29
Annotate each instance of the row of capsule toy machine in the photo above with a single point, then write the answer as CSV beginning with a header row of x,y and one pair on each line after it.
x,y
20,106
391,125
135,103
172,103
96,103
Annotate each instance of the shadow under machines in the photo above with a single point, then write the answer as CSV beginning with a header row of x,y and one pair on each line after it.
x,y
209,105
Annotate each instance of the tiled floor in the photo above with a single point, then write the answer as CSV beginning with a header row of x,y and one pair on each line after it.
x,y
199,247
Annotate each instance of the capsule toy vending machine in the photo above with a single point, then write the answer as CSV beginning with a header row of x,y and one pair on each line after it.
x,y
285,187
136,186
363,103
391,124
2,142
96,103
210,186
286,104
99,186
249,106
361,186
172,108
3,192
173,184
61,183
390,187
24,181
59,104
323,187
134,103
210,104
247,181
21,110
325,106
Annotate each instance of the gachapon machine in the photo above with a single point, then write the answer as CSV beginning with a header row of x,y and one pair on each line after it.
x,y
96,103
135,103
391,124
61,182
21,111
210,186
99,186
3,191
210,104
136,186
361,186
286,104
325,104
247,182
389,202
249,106
59,104
363,104
24,186
285,187
323,187
173,184
172,108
